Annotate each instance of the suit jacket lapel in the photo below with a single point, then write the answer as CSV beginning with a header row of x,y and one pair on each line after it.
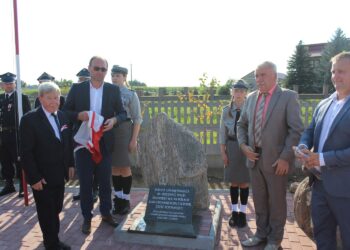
x,y
86,95
47,122
62,123
339,116
104,99
254,101
274,98
322,114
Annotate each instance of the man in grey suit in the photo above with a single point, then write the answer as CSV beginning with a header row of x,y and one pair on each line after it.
x,y
269,126
329,136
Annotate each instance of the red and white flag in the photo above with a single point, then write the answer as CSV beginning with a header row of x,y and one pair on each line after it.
x,y
89,135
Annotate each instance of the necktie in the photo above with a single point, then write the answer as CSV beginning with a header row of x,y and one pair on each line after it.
x,y
6,97
259,120
238,114
57,124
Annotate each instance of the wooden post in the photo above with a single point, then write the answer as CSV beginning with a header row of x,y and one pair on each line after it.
x,y
325,89
296,88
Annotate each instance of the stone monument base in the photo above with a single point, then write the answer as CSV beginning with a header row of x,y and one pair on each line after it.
x,y
206,224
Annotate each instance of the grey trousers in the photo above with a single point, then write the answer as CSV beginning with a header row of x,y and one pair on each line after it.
x,y
269,196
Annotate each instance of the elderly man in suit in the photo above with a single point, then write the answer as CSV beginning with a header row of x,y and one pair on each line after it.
x,y
47,159
269,126
104,99
329,137
45,77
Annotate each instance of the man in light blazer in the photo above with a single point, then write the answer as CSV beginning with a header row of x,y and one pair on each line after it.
x,y
274,114
104,99
329,137
47,159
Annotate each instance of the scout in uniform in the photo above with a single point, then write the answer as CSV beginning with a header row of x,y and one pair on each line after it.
x,y
9,123
45,77
126,135
235,170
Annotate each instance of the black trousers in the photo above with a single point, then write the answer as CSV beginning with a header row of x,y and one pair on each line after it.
x,y
8,156
49,203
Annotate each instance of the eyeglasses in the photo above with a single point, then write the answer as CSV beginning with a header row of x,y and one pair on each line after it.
x,y
102,69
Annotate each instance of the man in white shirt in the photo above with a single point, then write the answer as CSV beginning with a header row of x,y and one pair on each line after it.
x,y
104,99
329,137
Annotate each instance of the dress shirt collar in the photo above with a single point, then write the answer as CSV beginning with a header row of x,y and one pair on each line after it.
x,y
9,94
270,92
334,97
47,113
92,87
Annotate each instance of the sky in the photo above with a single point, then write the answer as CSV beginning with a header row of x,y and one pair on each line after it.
x,y
167,42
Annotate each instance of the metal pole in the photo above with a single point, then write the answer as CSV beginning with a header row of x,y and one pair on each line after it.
x,y
19,93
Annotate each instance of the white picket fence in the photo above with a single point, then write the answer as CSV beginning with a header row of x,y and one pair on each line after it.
x,y
203,117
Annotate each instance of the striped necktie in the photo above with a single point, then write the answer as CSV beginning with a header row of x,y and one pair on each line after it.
x,y
259,120
57,124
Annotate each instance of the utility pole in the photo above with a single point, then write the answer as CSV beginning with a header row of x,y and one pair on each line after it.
x,y
131,72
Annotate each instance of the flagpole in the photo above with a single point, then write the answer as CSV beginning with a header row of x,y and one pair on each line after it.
x,y
19,94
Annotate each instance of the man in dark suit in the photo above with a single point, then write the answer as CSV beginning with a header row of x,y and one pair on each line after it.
x,y
329,136
9,141
45,77
47,159
104,99
84,75
270,124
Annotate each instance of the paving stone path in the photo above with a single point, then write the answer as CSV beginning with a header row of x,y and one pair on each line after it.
x,y
19,227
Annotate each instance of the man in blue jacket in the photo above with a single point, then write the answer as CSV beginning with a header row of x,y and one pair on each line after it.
x,y
329,161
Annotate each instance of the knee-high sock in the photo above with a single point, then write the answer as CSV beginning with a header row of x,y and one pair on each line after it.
x,y
243,195
118,185
127,182
234,198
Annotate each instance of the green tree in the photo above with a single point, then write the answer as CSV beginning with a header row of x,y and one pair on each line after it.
x,y
226,89
23,84
337,44
64,83
300,70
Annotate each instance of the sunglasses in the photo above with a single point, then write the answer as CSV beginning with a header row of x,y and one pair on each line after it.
x,y
102,69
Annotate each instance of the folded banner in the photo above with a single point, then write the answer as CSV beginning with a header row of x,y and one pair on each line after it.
x,y
89,135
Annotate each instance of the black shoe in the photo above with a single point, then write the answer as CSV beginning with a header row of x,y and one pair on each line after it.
x,y
233,219
95,196
125,207
76,197
63,246
109,220
117,205
8,189
86,227
242,220
20,194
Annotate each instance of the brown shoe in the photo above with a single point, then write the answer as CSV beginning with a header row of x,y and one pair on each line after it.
x,y
109,220
252,241
86,227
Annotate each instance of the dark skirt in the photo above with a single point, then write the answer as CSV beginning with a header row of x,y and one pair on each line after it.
x,y
236,171
122,136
